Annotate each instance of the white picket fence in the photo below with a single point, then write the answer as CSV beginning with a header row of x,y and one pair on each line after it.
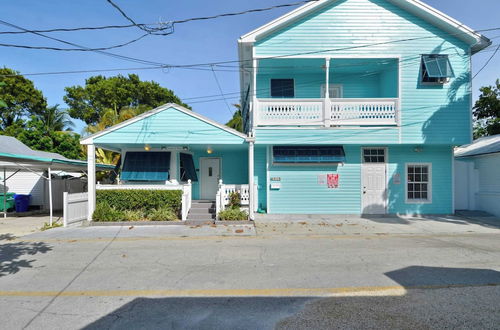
x,y
225,190
74,207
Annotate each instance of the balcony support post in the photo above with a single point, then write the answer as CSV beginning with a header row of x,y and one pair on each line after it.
x,y
255,105
327,108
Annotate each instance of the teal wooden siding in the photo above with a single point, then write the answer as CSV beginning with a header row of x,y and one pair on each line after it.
x,y
234,166
429,114
327,136
260,172
300,192
442,194
169,126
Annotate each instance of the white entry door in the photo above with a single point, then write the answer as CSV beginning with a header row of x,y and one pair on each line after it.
x,y
209,177
374,181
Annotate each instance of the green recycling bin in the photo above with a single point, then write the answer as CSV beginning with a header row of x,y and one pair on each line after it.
x,y
10,203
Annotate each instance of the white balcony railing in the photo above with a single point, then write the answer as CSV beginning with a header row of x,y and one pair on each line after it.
x,y
326,112
225,190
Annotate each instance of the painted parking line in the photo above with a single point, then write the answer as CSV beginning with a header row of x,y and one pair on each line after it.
x,y
280,292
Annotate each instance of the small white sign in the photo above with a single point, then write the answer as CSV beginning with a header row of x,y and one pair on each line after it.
x,y
322,179
396,178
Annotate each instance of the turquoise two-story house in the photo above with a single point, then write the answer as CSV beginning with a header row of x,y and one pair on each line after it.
x,y
349,106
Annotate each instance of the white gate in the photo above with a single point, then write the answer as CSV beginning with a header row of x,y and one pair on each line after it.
x,y
75,207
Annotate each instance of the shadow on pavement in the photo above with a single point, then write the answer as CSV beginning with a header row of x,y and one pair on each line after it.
x,y
489,222
473,305
13,254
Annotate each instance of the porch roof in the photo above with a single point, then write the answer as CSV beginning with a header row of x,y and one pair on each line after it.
x,y
170,124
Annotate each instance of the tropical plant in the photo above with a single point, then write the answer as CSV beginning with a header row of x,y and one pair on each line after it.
x,y
237,121
55,119
162,214
233,215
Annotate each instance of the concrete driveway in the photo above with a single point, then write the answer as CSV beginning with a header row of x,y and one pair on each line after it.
x,y
20,226
116,277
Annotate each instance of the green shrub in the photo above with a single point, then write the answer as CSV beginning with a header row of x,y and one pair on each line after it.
x,y
133,215
234,200
104,212
233,214
122,199
162,214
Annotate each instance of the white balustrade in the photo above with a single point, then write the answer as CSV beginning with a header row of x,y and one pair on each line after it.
x,y
364,112
323,112
224,195
290,111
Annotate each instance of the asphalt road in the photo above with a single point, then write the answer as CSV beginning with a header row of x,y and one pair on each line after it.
x,y
254,282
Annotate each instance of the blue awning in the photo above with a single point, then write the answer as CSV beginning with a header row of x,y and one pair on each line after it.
x,y
308,154
438,66
146,166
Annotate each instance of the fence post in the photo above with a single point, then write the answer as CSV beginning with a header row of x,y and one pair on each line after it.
x,y
65,209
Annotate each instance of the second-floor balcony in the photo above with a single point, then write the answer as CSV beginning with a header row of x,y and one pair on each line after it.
x,y
292,92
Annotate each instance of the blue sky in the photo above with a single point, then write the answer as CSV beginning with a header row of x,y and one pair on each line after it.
x,y
196,42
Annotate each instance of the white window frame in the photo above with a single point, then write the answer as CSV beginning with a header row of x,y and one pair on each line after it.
x,y
386,150
429,184
339,86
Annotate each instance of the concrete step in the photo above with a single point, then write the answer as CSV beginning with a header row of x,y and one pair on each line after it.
x,y
200,216
202,211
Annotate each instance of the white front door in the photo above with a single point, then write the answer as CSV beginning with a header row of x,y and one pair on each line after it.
x,y
209,177
374,181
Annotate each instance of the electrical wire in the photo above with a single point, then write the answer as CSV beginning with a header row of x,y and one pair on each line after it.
x,y
221,92
487,62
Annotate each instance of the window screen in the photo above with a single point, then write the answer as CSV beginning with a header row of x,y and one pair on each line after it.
x,y
436,68
418,182
282,88
146,166
308,154
374,155
187,169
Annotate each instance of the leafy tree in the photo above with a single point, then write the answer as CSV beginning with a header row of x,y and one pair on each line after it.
x,y
2,103
237,121
101,94
33,133
487,111
20,97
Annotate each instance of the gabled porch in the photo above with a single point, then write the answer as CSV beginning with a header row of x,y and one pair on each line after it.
x,y
172,148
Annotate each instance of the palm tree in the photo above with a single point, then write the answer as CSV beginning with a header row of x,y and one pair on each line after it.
x,y
109,118
55,119
237,121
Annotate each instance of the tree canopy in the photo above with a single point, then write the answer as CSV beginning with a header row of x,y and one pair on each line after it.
x,y
101,94
487,111
237,121
20,97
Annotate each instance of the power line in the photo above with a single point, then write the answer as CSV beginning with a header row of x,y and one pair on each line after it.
x,y
487,62
89,28
221,92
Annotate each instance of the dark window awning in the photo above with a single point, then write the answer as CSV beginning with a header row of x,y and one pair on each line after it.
x,y
437,66
308,154
188,172
146,166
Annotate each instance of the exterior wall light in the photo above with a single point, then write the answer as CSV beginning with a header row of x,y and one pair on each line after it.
x,y
209,150
147,147
418,149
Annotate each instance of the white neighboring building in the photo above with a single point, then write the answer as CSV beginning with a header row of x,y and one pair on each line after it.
x,y
477,175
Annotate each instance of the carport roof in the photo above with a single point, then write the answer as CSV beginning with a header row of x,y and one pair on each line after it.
x,y
483,146
13,153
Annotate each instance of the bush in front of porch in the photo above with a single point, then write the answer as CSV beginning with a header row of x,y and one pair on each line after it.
x,y
233,211
137,205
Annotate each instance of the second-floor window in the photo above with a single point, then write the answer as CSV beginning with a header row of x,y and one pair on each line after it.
x,y
282,88
436,69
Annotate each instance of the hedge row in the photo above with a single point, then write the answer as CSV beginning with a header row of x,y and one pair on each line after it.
x,y
137,205
123,200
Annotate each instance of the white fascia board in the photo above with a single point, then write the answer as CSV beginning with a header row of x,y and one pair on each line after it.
x,y
90,139
416,7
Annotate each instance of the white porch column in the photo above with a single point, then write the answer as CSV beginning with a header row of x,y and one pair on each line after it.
x,y
327,102
49,175
91,180
255,102
251,190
